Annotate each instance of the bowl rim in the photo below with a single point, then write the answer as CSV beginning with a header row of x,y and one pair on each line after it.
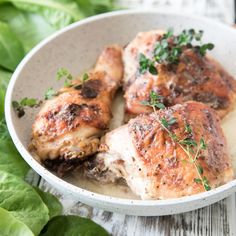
x,y
49,176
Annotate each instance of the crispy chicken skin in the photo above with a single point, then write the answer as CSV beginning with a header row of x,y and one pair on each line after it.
x,y
193,78
153,165
68,127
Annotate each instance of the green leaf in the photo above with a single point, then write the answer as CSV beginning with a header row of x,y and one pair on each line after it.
x,y
92,7
206,184
10,47
10,159
200,169
50,93
29,102
72,225
203,49
172,121
146,64
169,122
188,142
188,129
4,79
57,13
203,145
4,134
10,226
152,69
63,73
53,204
23,202
164,122
197,180
85,77
29,28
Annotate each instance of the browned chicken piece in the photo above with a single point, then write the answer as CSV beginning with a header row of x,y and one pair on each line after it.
x,y
154,165
68,127
195,77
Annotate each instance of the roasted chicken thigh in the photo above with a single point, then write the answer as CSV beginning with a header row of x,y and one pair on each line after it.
x,y
195,77
154,164
68,127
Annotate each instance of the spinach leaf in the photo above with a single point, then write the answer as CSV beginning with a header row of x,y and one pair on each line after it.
x,y
10,47
57,13
72,225
4,79
53,204
23,202
29,28
9,225
10,159
92,7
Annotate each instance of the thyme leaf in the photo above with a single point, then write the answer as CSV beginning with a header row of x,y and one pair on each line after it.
x,y
50,93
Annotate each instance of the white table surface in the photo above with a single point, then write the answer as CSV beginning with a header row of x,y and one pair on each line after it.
x,y
218,219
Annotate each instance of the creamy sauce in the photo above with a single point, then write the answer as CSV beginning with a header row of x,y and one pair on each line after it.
x,y
122,190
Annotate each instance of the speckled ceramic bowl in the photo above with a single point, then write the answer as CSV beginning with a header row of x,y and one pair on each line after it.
x,y
76,47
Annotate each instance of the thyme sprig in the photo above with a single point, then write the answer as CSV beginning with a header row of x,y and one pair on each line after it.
x,y
19,106
63,73
187,144
169,49
50,93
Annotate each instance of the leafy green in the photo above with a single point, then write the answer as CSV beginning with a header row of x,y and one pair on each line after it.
x,y
4,134
29,28
203,49
146,65
50,93
57,13
63,73
85,77
4,79
188,128
188,142
23,202
53,204
10,226
72,225
167,123
10,159
206,183
154,101
93,7
10,47
19,107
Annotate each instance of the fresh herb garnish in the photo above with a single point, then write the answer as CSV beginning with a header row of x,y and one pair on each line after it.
x,y
50,93
154,100
85,77
169,49
168,123
203,49
63,73
20,106
188,129
146,65
190,146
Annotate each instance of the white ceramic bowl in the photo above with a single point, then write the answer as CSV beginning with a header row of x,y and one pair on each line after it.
x,y
76,47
